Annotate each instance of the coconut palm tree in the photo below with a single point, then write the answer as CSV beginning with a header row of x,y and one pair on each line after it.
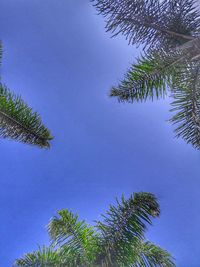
x,y
18,121
116,241
169,32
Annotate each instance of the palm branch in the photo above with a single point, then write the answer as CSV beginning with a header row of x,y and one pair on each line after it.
x,y
150,77
148,253
18,121
125,224
153,23
186,104
66,230
43,257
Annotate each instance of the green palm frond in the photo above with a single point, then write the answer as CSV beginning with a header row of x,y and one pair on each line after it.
x,y
150,77
148,254
66,230
153,23
50,257
19,122
186,104
44,257
126,222
70,256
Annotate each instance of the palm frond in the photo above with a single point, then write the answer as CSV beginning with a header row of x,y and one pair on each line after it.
x,y
45,256
126,223
19,122
66,230
70,256
186,104
150,77
148,254
151,22
50,257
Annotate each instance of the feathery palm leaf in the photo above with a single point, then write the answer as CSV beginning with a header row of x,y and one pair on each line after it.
x,y
66,230
50,257
153,23
125,223
44,257
19,122
186,104
148,254
149,78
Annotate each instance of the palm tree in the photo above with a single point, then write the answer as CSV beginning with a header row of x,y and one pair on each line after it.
x,y
169,31
116,241
18,121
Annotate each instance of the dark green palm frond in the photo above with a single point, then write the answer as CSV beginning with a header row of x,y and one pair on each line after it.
x,y
143,254
125,223
66,230
149,78
187,104
70,256
50,257
182,17
19,122
44,257
148,254
151,22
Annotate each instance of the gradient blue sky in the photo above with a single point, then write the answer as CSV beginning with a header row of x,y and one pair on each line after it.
x,y
59,58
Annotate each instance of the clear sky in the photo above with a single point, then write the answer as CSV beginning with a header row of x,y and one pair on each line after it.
x,y
59,58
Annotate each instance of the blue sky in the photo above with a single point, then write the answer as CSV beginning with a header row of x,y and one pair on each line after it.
x,y
59,58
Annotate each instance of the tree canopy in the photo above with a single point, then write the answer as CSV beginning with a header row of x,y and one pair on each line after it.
x,y
117,240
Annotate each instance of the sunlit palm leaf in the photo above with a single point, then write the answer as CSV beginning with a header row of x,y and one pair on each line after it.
x,y
44,257
66,230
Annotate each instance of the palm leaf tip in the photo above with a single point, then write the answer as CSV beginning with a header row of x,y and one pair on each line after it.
x,y
122,95
148,202
19,122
